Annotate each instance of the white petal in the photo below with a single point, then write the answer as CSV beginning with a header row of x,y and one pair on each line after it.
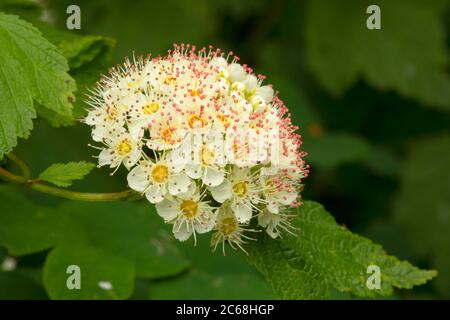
x,y
272,206
264,219
222,192
237,72
213,177
265,92
92,117
137,128
193,170
176,160
99,132
105,157
167,209
272,231
250,83
154,194
208,222
178,183
133,158
138,179
219,62
182,232
286,198
243,212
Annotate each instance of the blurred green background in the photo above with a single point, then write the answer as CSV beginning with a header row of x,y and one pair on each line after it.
x,y
373,108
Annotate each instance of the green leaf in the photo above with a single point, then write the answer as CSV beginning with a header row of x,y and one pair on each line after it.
x,y
89,56
23,8
287,281
17,286
25,227
422,207
205,286
340,49
62,175
110,241
333,256
35,71
96,267
214,276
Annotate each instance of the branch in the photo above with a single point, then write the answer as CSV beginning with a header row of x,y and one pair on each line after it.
x,y
59,192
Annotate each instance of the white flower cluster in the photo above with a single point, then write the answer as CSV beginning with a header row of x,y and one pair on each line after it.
x,y
146,113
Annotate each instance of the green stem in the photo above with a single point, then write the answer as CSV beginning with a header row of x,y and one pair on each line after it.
x,y
63,193
26,173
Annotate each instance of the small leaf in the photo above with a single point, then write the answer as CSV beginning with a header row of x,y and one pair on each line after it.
x,y
62,175
32,70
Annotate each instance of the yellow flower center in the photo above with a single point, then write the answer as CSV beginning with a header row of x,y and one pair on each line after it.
x,y
240,188
270,187
133,83
160,173
112,113
225,120
196,121
151,108
207,156
124,147
189,208
169,79
167,135
195,93
228,225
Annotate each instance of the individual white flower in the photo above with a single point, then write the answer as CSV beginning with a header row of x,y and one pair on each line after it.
x,y
158,178
206,167
145,109
120,148
275,223
278,191
188,212
242,191
229,230
236,72
196,118
103,119
166,131
265,92
132,80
